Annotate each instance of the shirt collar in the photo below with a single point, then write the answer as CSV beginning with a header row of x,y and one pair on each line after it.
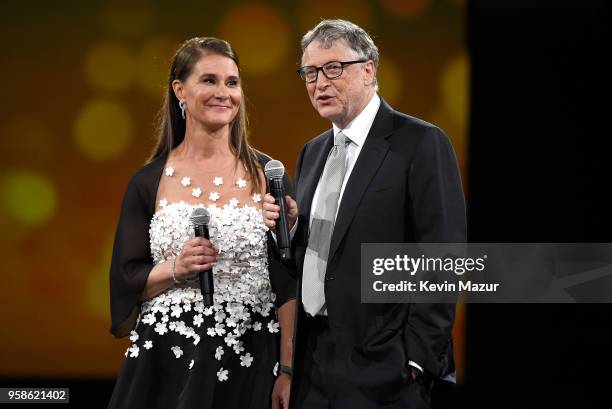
x,y
357,130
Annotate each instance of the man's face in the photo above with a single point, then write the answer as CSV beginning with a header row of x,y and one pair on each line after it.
x,y
341,99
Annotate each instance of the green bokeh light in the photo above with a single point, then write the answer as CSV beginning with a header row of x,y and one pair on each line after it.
x,y
28,196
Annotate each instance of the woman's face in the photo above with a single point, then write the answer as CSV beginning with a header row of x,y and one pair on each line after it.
x,y
212,91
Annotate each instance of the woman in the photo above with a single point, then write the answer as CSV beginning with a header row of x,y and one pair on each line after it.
x,y
184,354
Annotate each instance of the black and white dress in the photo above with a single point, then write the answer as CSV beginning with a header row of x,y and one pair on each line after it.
x,y
186,355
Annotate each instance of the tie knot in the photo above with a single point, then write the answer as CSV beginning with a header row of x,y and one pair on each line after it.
x,y
341,139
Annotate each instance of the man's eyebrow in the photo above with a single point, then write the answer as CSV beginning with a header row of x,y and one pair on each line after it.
x,y
320,65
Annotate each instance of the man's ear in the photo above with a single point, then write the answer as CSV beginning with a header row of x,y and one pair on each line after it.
x,y
177,86
369,73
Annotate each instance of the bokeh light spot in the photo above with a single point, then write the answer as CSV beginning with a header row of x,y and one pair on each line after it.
x,y
28,196
109,67
259,35
390,83
154,64
458,137
103,129
409,9
452,114
454,89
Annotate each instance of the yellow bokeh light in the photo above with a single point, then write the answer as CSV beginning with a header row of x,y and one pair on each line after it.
x,y
260,36
458,136
390,83
154,64
28,196
311,13
109,67
409,9
103,129
454,89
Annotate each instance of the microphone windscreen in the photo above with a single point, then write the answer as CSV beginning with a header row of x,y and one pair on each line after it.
x,y
274,169
200,216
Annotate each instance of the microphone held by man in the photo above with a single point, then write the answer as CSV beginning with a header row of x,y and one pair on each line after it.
x,y
279,207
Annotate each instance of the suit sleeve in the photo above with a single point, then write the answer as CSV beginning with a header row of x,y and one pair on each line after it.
x,y
131,260
438,216
282,276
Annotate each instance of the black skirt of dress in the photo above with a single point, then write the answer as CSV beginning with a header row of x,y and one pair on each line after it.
x,y
156,378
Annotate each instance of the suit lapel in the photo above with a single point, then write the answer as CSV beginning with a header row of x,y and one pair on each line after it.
x,y
370,158
310,176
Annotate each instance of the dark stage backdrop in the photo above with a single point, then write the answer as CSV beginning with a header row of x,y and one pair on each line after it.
x,y
539,172
82,85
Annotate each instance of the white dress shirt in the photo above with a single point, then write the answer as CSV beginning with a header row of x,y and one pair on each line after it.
x,y
357,131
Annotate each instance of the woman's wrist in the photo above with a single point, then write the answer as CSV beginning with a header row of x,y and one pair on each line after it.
x,y
174,275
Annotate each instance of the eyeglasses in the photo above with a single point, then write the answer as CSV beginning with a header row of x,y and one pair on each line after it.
x,y
331,70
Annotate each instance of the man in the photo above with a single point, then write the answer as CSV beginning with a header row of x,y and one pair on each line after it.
x,y
376,176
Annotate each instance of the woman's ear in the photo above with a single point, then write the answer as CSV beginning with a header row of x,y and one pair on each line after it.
x,y
177,86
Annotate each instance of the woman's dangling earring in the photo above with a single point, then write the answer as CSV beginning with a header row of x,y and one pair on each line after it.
x,y
182,106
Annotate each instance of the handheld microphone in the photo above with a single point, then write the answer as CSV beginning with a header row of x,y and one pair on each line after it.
x,y
200,218
274,171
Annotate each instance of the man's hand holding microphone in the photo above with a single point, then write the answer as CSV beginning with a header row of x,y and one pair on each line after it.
x,y
279,210
272,211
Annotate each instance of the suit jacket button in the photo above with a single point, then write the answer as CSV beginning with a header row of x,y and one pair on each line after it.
x,y
330,278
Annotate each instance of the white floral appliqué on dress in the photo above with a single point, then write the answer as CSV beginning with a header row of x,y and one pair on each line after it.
x,y
242,285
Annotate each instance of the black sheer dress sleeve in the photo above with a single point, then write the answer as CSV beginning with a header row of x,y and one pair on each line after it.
x,y
281,276
282,280
131,260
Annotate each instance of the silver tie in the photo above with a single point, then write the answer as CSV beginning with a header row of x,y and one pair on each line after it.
x,y
322,227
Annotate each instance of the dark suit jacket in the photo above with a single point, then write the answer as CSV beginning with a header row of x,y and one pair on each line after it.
x,y
404,187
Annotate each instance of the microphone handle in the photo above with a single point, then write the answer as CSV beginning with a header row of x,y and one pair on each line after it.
x,y
282,225
207,285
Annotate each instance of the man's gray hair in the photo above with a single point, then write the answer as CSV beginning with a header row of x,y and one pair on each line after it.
x,y
327,32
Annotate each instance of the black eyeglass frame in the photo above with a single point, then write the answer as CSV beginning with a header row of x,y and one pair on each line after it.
x,y
322,69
